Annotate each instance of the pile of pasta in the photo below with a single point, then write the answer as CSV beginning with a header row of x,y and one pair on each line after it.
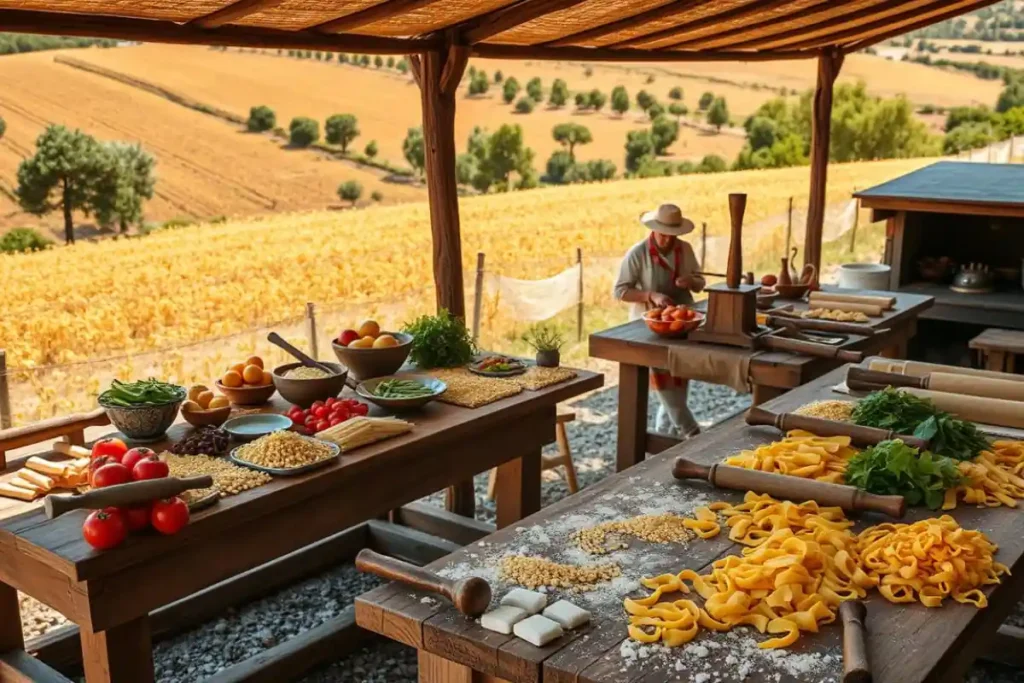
x,y
801,562
991,479
800,454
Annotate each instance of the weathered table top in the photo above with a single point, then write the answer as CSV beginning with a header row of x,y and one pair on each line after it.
x,y
907,643
635,344
447,441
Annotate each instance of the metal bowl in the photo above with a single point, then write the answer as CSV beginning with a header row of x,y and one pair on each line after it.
x,y
144,424
304,392
366,363
366,387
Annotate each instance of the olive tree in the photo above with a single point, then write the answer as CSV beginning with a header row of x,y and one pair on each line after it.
x,y
341,129
350,191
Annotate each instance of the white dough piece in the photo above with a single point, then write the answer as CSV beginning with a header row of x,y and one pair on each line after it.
x,y
566,614
538,630
502,619
531,601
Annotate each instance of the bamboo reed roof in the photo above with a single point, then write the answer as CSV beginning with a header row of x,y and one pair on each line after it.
x,y
612,30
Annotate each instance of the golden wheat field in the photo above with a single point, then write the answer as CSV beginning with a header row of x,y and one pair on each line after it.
x,y
103,299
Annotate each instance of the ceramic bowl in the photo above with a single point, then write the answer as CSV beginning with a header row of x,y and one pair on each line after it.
x,y
365,390
207,418
792,291
252,427
247,395
675,328
144,424
766,299
303,392
366,363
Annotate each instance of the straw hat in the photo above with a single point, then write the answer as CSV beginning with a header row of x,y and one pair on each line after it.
x,y
668,220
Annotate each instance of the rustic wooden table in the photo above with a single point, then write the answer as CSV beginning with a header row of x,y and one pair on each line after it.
x,y
636,349
110,595
906,643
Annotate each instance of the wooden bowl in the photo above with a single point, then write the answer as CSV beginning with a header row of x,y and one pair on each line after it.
x,y
304,392
675,328
214,417
367,363
766,299
247,395
792,291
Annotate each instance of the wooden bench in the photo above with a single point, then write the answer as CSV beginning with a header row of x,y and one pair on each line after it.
x,y
998,348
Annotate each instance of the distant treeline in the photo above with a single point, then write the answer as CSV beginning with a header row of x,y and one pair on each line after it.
x,y
13,43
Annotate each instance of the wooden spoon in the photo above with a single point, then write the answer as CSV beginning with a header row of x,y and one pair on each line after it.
x,y
277,340
471,595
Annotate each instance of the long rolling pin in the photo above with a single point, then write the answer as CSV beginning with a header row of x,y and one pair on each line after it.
x,y
946,382
470,595
792,488
856,668
990,411
124,495
859,436
820,325
916,368
807,348
885,302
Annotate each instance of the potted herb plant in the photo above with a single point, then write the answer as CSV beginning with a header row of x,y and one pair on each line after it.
x,y
547,342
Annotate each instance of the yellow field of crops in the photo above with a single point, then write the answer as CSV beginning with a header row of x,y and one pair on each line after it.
x,y
205,167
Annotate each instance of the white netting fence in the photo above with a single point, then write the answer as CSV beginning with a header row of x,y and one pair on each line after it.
x,y
1002,152
534,300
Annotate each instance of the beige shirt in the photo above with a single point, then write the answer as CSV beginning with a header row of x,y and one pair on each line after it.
x,y
640,271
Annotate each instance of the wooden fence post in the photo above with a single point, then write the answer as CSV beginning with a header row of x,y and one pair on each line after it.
x,y
856,220
579,296
829,62
478,294
5,395
704,245
311,330
789,227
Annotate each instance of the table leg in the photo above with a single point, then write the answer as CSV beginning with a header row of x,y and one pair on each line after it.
x,y
122,654
11,636
763,393
995,360
518,489
437,669
460,498
632,437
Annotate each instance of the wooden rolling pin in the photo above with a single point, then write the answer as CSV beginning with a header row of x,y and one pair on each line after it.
x,y
915,368
991,411
856,668
941,381
124,495
886,302
859,436
820,325
792,488
808,348
867,309
471,595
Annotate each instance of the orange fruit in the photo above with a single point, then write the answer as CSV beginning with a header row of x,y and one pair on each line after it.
x,y
218,402
385,341
268,378
190,406
255,360
238,367
204,398
369,328
231,379
252,374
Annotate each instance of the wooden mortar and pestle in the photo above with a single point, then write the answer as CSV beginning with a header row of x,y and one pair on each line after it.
x,y
796,489
124,495
471,595
859,436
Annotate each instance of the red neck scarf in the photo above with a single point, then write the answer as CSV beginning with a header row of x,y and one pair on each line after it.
x,y
656,256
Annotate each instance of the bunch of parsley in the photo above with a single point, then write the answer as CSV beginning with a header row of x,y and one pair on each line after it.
x,y
440,341
894,468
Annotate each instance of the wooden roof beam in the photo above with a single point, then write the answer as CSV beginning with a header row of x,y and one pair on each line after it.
x,y
480,28
496,51
235,10
759,28
369,15
654,14
866,42
145,30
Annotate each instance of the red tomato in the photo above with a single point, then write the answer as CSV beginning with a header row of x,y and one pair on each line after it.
x,y
360,409
111,474
135,518
320,412
150,468
135,455
321,425
330,402
104,529
115,448
689,314
316,404
310,421
97,463
335,421
343,412
169,516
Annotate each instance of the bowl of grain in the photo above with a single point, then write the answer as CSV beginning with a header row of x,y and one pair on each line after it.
x,y
302,385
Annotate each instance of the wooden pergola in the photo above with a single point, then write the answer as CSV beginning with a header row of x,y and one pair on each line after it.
x,y
441,35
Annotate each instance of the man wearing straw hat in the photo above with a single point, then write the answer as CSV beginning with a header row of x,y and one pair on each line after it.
x,y
660,271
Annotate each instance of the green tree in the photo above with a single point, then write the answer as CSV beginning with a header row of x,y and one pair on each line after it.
x,y
391,63
498,156
655,110
23,239
341,129
675,93
124,187
414,150
535,90
328,56
1011,96
3,127
620,100
364,60
559,93
377,196
509,89
303,131
762,132
479,83
677,110
598,99
1009,123
718,113
402,66
261,118
371,149
957,116
599,169
644,100
465,168
342,58
571,134
524,105
638,145
350,191
968,136
62,174
664,132
712,163
318,55
649,167
559,164
705,100
582,100
498,77
378,61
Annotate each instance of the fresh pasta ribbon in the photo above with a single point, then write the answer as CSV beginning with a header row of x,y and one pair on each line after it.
x,y
992,479
800,454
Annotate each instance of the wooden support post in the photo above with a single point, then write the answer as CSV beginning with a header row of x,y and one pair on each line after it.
x,y
439,74
704,245
789,228
634,381
856,220
311,330
829,63
122,654
579,297
518,489
5,393
478,294
11,637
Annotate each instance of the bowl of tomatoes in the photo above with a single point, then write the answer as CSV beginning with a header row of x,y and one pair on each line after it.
x,y
673,321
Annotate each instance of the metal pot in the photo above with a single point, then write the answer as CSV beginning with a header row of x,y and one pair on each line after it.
x,y
974,278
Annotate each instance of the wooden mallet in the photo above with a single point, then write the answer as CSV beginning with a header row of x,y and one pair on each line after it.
x,y
856,668
471,595
791,488
124,495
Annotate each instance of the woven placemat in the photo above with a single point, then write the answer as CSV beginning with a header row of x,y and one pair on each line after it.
x,y
472,391
537,378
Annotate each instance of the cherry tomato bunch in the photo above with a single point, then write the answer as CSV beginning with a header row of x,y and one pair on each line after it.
x,y
325,414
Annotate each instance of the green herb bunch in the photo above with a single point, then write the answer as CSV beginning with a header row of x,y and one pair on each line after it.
x,y
905,413
544,338
894,468
440,341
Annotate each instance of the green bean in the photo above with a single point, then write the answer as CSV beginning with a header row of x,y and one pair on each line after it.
x,y
143,392
401,388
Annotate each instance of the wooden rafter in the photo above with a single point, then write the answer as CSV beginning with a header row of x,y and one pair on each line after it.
x,y
661,12
144,30
479,29
378,12
748,10
759,28
598,54
861,44
235,10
